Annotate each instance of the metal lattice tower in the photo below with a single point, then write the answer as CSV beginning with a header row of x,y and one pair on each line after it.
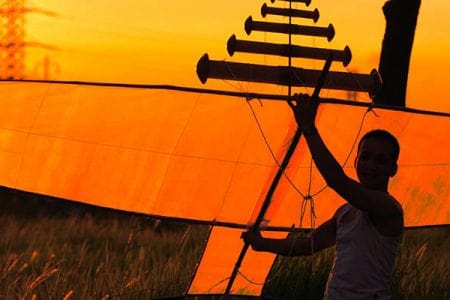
x,y
12,16
12,37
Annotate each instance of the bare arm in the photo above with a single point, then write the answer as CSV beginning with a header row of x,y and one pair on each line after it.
x,y
376,202
323,237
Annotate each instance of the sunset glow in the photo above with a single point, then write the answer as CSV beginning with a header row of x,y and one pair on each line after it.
x,y
228,162
160,42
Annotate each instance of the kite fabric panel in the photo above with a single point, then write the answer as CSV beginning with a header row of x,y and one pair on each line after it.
x,y
200,156
206,158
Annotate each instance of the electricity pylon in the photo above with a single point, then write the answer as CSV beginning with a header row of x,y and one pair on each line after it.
x,y
12,37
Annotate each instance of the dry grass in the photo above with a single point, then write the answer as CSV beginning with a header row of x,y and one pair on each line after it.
x,y
422,270
423,266
69,258
111,257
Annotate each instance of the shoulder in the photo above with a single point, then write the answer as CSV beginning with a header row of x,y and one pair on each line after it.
x,y
340,210
397,204
397,209
390,224
332,222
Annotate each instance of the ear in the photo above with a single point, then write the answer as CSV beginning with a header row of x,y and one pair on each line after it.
x,y
393,170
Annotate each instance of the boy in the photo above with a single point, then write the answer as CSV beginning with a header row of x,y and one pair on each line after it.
x,y
366,230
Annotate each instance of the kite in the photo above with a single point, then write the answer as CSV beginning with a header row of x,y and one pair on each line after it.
x,y
231,159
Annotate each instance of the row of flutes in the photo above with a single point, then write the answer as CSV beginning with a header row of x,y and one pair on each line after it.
x,y
287,75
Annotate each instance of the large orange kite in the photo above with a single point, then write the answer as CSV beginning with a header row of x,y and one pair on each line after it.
x,y
210,156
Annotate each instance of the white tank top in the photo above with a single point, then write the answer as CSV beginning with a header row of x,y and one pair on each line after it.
x,y
364,260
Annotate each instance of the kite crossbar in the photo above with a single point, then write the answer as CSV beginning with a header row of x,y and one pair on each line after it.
x,y
307,2
287,76
237,94
235,45
326,32
299,13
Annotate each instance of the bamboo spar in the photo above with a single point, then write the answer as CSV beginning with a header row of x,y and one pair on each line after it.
x,y
283,75
276,180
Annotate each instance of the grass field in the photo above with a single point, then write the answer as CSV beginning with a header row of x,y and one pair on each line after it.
x,y
57,252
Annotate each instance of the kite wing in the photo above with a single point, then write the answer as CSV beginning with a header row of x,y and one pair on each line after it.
x,y
202,157
209,156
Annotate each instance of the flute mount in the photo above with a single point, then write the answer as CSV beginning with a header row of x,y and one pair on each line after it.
x,y
288,75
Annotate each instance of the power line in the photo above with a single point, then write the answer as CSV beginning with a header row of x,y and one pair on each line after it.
x,y
12,37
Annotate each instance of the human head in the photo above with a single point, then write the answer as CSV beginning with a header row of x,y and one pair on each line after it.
x,y
376,160
382,134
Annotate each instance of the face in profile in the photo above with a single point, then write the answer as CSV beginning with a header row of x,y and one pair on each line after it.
x,y
375,163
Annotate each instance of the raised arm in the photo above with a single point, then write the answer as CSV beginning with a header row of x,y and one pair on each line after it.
x,y
323,237
376,202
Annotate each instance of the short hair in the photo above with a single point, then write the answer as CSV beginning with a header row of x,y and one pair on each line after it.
x,y
385,136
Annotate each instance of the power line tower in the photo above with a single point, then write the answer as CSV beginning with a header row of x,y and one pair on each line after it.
x,y
12,13
12,37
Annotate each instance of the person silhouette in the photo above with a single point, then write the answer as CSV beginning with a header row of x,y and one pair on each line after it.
x,y
366,230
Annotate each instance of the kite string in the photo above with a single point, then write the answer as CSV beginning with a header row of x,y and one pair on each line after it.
x,y
309,198
306,198
240,85
258,123
369,109
280,267
260,129
277,272
259,126
358,133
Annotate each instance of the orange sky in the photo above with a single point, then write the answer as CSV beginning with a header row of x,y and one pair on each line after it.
x,y
161,41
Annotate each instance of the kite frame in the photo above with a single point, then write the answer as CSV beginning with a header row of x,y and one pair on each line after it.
x,y
246,95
